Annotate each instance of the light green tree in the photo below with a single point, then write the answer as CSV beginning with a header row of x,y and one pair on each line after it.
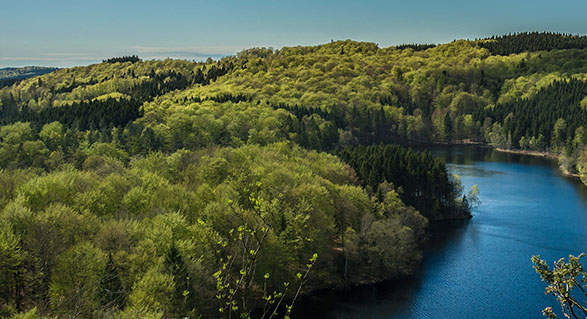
x,y
74,290
559,134
153,292
11,258
473,196
567,281
52,135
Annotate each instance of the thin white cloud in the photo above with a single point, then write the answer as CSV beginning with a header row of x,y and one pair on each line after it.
x,y
65,58
67,54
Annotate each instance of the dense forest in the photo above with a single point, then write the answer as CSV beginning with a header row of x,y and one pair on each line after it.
x,y
421,180
552,120
173,189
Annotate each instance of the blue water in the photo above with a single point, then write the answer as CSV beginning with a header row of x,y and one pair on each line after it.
x,y
481,268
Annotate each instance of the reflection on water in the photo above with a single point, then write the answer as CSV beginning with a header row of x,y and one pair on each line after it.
x,y
480,268
330,304
471,170
469,155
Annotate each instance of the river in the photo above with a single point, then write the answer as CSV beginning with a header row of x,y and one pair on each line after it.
x,y
480,268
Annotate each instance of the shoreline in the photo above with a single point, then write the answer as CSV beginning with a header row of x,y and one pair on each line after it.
x,y
527,152
547,155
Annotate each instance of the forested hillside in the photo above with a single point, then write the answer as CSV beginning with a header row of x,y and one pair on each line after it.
x,y
127,185
552,120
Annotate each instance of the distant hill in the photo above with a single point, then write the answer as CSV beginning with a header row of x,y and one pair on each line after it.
x,y
9,76
24,72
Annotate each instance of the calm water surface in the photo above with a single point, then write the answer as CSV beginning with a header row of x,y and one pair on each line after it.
x,y
481,268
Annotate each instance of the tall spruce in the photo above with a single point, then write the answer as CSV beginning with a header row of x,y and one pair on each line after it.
x,y
184,302
111,291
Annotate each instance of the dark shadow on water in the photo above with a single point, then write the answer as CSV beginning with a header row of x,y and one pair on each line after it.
x,y
392,295
468,155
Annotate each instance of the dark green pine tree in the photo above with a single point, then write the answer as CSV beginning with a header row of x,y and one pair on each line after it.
x,y
448,126
302,134
149,141
184,303
111,292
199,77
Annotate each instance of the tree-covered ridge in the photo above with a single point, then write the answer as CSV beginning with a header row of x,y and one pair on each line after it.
x,y
140,81
533,41
10,76
101,99
364,94
411,85
338,94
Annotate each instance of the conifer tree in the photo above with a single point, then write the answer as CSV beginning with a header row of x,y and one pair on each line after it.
x,y
111,291
184,298
447,127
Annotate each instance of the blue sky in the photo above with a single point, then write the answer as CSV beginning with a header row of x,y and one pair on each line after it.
x,y
67,33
